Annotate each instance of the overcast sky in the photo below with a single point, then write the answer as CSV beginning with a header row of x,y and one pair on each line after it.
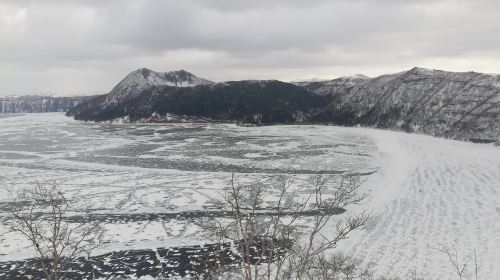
x,y
70,47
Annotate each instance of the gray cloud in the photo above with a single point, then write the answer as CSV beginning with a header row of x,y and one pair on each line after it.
x,y
79,46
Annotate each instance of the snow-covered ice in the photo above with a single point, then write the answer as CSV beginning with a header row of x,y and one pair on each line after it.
x,y
426,191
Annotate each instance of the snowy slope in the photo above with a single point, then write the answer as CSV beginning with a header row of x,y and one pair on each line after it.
x,y
432,192
463,106
143,78
327,87
134,84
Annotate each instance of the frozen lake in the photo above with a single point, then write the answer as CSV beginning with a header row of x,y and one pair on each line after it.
x,y
146,166
162,168
426,191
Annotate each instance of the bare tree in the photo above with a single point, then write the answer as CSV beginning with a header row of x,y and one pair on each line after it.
x,y
285,237
337,266
341,197
459,263
40,213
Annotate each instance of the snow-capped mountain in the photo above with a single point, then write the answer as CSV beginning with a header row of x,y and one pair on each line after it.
x,y
144,78
326,87
464,106
252,102
39,104
134,84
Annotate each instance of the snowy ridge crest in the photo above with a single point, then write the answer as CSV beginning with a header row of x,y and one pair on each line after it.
x,y
147,77
456,105
137,81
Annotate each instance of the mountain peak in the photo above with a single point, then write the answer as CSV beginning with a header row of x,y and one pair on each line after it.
x,y
136,81
360,76
143,70
144,77
421,70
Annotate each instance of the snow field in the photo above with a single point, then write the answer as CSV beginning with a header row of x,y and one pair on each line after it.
x,y
425,191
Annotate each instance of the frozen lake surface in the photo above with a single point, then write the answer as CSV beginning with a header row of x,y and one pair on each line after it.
x,y
426,191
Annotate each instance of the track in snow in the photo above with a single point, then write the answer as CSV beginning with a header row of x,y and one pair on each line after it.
x,y
430,192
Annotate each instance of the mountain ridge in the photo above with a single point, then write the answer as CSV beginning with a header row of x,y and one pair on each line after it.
x,y
142,78
456,105
251,101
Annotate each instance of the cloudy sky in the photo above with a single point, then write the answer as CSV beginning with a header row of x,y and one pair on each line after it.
x,y
77,46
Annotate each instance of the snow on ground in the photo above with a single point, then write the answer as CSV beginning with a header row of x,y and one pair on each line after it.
x,y
432,192
426,191
154,168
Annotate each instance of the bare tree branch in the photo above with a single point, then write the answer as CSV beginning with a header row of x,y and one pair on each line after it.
x,y
261,240
40,214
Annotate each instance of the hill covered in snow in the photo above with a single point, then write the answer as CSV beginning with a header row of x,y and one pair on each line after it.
x,y
463,106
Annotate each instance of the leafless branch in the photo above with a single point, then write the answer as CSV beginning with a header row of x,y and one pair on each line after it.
x,y
40,214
